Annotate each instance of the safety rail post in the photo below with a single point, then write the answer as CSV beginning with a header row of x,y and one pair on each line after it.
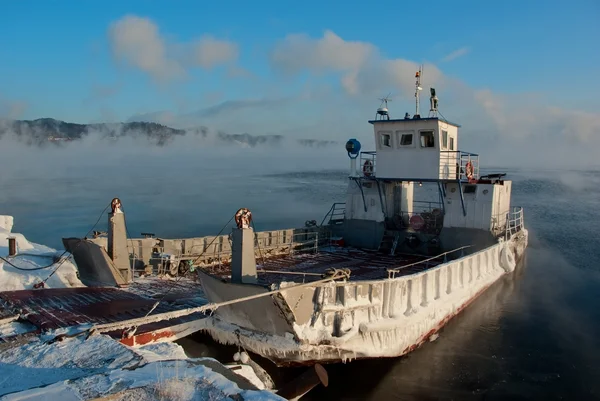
x,y
514,221
133,260
331,209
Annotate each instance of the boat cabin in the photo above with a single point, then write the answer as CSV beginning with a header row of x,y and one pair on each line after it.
x,y
421,149
419,186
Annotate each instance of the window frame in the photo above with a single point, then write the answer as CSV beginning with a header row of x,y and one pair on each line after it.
x,y
444,141
400,134
433,132
381,135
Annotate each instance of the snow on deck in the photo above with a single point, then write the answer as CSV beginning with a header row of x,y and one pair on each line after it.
x,y
32,256
97,367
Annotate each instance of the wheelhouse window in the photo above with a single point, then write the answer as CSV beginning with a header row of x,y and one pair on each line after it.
x,y
427,139
444,139
451,143
385,140
406,140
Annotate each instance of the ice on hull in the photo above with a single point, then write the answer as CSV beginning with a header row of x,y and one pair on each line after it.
x,y
336,321
261,314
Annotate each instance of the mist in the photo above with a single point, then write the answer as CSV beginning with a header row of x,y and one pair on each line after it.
x,y
191,186
194,183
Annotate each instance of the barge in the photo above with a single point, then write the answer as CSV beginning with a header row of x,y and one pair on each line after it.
x,y
377,277
405,267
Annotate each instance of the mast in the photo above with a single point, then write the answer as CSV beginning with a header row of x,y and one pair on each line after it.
x,y
418,89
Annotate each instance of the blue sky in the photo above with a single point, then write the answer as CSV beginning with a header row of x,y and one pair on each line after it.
x,y
60,59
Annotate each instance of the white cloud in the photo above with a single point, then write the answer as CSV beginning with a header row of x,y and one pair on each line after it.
x,y
297,52
524,119
138,42
12,109
209,52
457,53
363,69
516,126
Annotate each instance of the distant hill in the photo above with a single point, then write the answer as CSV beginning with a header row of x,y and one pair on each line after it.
x,y
44,130
47,131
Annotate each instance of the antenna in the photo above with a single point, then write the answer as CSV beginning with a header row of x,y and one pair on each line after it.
x,y
417,90
383,109
433,102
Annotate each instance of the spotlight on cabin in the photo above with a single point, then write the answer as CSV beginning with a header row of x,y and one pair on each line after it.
x,y
353,148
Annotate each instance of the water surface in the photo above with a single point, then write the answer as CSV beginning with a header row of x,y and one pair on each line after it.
x,y
533,335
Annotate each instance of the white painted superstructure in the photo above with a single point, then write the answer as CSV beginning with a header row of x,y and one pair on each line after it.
x,y
421,149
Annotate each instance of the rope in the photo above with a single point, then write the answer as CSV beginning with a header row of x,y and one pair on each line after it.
x,y
335,272
129,237
8,262
43,282
201,309
258,244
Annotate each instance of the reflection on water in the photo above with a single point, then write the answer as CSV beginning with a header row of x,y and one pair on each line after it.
x,y
532,335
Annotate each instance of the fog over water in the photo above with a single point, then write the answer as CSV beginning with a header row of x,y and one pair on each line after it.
x,y
533,335
189,187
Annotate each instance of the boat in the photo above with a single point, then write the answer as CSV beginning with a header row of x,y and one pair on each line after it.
x,y
379,276
402,267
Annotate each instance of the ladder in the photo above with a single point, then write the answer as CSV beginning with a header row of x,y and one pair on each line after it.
x,y
395,243
389,241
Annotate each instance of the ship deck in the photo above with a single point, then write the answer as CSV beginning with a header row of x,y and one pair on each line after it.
x,y
52,309
65,309
310,266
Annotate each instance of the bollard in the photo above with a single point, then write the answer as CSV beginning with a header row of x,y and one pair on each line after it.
x,y
12,246
298,387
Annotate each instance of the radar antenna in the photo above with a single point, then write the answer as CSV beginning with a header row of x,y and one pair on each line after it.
x,y
417,90
383,111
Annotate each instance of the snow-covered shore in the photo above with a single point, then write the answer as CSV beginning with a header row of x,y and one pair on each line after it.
x,y
31,258
98,367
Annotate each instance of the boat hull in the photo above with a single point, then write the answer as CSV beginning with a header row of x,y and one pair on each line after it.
x,y
342,321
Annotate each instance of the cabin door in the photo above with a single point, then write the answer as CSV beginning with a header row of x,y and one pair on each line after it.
x,y
398,199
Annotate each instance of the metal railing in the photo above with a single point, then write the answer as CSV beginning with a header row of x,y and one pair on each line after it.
x,y
368,163
453,165
166,255
515,221
336,213
308,239
426,206
392,272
